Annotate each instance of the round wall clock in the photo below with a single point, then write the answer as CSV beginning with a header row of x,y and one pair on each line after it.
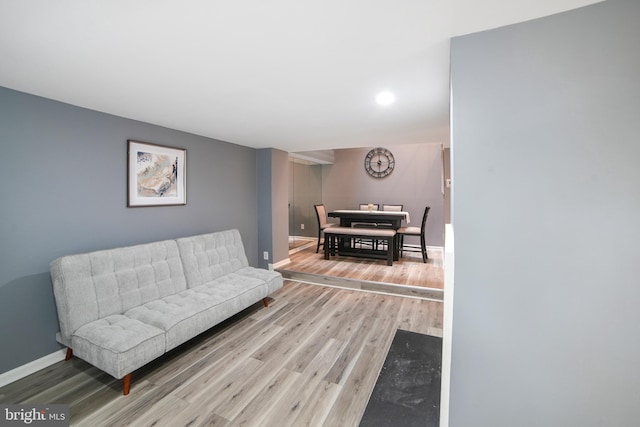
x,y
379,162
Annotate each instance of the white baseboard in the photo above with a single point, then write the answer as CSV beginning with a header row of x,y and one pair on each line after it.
x,y
31,367
310,243
279,263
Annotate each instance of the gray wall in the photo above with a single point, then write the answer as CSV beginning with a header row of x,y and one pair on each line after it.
x,y
305,190
265,219
279,200
273,222
415,182
63,174
546,188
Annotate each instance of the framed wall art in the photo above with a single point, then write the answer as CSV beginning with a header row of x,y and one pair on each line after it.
x,y
156,175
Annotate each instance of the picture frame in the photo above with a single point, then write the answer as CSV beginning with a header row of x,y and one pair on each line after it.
x,y
156,175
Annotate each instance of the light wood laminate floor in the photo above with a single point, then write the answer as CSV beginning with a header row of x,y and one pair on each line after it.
x,y
311,358
408,270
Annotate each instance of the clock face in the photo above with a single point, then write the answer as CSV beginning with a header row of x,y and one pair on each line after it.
x,y
379,162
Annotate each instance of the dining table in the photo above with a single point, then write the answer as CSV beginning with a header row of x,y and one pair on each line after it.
x,y
390,219
349,216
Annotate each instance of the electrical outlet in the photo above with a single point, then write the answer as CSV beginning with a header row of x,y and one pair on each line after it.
x,y
301,226
265,255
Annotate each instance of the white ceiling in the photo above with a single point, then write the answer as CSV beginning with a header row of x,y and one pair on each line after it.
x,y
290,74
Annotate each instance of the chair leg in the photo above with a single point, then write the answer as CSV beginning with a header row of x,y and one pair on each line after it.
x,y
423,247
318,246
326,245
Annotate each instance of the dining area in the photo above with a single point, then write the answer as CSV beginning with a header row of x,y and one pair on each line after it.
x,y
356,262
371,231
342,196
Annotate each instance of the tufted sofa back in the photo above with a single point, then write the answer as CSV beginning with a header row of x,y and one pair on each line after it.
x,y
207,257
91,286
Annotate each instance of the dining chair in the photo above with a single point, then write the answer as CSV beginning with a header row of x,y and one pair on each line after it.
x,y
323,224
390,208
365,207
414,231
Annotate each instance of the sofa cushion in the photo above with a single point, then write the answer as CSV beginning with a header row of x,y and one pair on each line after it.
x,y
185,315
227,296
207,257
94,285
273,280
165,313
118,344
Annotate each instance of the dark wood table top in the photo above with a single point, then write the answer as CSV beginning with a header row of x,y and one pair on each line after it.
x,y
369,216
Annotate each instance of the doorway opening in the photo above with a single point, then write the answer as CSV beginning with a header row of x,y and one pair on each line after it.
x,y
408,276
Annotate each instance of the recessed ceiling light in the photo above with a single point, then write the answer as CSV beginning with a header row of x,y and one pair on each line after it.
x,y
385,98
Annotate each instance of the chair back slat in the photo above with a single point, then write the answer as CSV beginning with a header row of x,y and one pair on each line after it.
x,y
392,208
365,206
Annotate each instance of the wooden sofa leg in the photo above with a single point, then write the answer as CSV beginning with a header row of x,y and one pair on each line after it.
x,y
126,384
69,354
265,301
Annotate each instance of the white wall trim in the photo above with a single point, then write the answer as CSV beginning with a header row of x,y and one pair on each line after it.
x,y
31,367
279,264
447,325
311,241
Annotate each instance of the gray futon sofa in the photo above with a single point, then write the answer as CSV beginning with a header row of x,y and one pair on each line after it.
x,y
121,308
